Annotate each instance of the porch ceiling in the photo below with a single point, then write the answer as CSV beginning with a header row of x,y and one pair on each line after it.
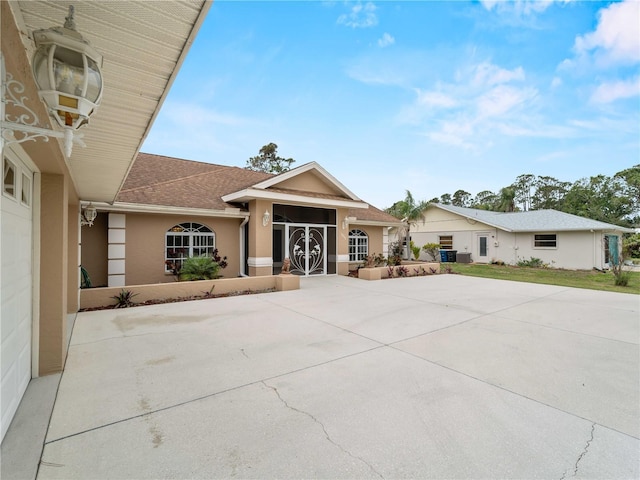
x,y
144,43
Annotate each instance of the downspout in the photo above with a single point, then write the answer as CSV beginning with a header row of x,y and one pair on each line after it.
x,y
242,273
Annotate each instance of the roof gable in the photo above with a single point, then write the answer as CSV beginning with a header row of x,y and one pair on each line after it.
x,y
313,174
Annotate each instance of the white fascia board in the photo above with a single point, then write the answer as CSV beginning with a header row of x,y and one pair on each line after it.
x,y
271,182
375,223
252,193
163,209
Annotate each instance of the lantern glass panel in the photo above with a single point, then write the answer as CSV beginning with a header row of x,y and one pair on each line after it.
x,y
68,71
94,85
40,67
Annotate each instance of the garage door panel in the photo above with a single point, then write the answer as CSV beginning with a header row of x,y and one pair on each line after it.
x,y
16,257
9,397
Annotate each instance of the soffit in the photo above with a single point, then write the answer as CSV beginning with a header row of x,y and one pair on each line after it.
x,y
143,43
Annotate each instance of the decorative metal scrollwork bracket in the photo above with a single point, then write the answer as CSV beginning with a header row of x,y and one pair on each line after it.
x,y
25,127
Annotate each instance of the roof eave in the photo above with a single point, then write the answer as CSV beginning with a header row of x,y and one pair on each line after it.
x,y
124,207
249,194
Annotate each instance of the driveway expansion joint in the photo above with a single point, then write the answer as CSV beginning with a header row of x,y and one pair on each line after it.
x,y
324,429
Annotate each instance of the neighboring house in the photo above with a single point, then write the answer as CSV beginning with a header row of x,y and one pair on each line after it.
x,y
559,239
142,48
169,209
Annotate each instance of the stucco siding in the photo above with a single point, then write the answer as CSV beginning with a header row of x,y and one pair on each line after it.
x,y
94,250
309,182
145,245
574,250
437,220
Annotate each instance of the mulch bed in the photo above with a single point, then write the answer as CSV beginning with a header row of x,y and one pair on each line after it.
x,y
160,301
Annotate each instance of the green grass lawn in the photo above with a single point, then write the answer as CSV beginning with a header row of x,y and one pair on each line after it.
x,y
592,279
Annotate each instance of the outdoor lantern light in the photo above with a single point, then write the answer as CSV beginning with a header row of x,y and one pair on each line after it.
x,y
88,215
67,72
265,218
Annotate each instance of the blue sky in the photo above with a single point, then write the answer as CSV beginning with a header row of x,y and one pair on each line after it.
x,y
426,96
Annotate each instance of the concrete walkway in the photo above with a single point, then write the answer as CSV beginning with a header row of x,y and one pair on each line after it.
x,y
430,377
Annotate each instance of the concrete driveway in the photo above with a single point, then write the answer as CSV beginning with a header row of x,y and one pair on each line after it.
x,y
431,377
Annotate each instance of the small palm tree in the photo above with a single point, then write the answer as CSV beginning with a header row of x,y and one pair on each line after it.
x,y
199,268
409,211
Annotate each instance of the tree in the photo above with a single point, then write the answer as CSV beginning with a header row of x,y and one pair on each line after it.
x,y
506,200
445,199
268,161
485,200
409,211
599,198
523,186
549,193
461,198
630,178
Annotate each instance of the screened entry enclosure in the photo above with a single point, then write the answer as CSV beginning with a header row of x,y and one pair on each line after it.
x,y
307,236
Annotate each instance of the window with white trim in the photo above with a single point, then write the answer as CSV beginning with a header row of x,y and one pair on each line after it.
x,y
9,176
187,240
545,240
358,245
446,242
26,190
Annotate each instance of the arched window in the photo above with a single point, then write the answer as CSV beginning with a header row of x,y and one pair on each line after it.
x,y
358,245
187,240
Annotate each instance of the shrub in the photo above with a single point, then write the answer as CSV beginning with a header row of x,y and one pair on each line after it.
x,y
374,261
395,253
415,250
199,268
631,246
124,299
531,263
432,249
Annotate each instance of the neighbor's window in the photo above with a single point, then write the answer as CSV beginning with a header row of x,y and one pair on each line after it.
x,y
9,177
446,242
187,240
545,240
358,245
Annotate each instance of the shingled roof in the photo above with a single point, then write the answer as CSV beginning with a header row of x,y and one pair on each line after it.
x,y
533,220
173,182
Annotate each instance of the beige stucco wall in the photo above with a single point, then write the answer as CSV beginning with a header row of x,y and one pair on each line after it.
x,y
100,297
55,242
94,247
309,182
260,237
145,245
376,244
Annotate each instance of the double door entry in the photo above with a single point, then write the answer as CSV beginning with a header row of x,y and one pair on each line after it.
x,y
306,246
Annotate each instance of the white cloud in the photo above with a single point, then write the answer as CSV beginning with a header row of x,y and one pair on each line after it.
x,y
611,91
487,74
503,99
360,16
435,99
556,82
518,7
616,39
386,40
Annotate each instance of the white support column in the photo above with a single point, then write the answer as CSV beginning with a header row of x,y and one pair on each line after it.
x,y
116,252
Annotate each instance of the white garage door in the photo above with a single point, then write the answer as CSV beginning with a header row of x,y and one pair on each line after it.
x,y
16,252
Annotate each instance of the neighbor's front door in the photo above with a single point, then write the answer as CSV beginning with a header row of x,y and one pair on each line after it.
x,y
482,246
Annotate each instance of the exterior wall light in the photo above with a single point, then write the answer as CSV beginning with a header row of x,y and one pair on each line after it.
x,y
88,215
67,71
265,218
